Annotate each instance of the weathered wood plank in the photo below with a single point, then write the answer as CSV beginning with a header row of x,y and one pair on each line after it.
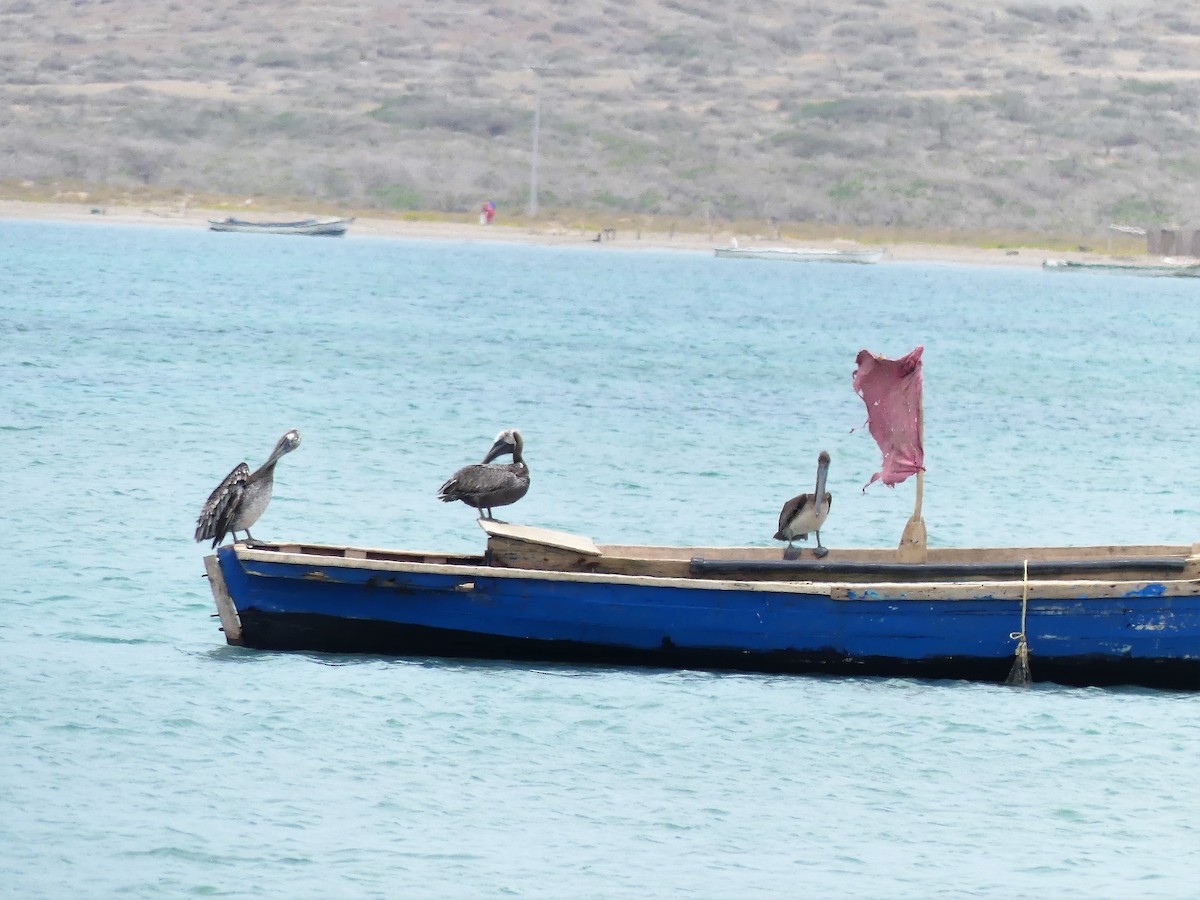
x,y
859,589
529,534
230,623
1191,568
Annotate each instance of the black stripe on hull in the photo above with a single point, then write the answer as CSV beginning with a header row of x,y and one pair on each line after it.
x,y
330,634
814,569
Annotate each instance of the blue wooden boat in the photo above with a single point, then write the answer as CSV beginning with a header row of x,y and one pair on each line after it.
x,y
1092,615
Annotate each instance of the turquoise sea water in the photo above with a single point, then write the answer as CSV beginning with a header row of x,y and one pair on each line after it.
x,y
664,398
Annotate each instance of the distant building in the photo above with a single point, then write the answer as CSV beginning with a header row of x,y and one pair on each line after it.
x,y
1173,241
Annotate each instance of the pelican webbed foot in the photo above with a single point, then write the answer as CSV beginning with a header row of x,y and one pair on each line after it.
x,y
790,552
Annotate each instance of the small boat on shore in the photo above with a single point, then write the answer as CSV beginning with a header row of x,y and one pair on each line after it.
x,y
317,227
1167,268
1088,615
803,254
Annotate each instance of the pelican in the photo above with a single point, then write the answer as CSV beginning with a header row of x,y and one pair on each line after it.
x,y
804,513
487,484
242,497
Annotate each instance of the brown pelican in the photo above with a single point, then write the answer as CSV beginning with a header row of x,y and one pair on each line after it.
x,y
804,513
242,497
487,484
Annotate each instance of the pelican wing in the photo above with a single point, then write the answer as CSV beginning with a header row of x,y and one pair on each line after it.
x,y
790,510
486,479
452,489
219,509
477,480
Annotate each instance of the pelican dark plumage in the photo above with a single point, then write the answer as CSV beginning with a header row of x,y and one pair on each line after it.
x,y
242,496
485,485
805,513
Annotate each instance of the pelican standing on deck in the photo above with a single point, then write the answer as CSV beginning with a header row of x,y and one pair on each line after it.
x,y
805,513
242,497
487,484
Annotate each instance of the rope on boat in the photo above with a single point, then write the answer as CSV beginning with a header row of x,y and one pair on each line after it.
x,y
1019,673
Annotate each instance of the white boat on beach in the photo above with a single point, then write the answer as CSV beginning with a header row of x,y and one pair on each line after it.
x,y
803,254
1165,268
319,227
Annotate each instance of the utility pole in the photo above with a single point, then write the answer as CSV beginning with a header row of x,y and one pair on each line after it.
x,y
537,123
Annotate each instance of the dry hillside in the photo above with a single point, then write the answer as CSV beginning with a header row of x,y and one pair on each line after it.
x,y
924,113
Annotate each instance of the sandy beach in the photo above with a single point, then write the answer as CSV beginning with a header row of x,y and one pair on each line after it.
x,y
548,233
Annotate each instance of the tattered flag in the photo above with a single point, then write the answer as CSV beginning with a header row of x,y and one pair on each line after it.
x,y
891,389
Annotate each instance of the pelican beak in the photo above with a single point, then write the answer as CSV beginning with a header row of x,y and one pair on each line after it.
x,y
498,449
822,476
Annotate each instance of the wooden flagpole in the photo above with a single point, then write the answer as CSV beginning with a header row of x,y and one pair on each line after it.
x,y
913,547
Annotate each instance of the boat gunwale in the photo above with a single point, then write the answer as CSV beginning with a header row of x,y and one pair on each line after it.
x,y
293,224
945,589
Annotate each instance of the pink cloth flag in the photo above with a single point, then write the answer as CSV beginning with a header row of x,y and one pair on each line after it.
x,y
891,388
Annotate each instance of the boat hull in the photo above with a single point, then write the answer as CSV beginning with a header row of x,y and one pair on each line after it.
x,y
312,227
1147,635
335,634
801,254
1146,270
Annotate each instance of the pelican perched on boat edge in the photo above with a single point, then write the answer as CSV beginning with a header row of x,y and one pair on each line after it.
x,y
805,513
242,497
487,484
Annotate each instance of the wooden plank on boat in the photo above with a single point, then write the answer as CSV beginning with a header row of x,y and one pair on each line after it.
x,y
844,588
527,547
367,554
1191,568
612,553
230,623
529,534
